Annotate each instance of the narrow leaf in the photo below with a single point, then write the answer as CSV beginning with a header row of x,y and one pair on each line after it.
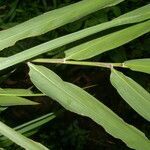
x,y
19,139
135,95
9,100
13,100
51,45
28,128
142,65
136,15
8,97
108,42
51,20
78,101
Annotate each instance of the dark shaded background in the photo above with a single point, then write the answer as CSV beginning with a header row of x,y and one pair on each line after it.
x,y
70,131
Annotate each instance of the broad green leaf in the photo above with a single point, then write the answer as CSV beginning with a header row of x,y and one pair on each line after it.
x,y
78,101
142,65
18,92
135,95
51,45
51,20
13,100
107,42
28,128
20,139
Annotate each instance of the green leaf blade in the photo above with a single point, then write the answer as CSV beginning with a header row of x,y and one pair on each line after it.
x,y
142,65
135,95
20,139
78,101
51,20
136,15
106,43
10,97
18,92
13,101
51,45
28,128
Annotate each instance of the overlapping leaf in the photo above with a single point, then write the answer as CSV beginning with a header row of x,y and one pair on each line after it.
x,y
51,20
20,139
78,101
28,128
135,95
134,16
13,100
6,99
106,43
131,17
142,65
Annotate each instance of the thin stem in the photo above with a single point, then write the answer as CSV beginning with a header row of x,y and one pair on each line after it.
x,y
84,63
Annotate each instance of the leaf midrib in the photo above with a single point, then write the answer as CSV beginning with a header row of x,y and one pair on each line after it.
x,y
56,84
82,104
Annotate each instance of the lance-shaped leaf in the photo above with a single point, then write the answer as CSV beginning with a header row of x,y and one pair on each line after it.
x,y
131,17
78,101
108,42
28,128
142,65
13,100
135,95
51,20
19,139
9,97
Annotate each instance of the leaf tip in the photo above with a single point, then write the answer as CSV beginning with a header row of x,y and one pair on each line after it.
x,y
29,64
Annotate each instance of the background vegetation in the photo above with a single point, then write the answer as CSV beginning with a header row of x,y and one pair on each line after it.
x,y
69,130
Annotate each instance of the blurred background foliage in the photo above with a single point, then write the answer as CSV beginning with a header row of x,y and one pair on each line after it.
x,y
68,130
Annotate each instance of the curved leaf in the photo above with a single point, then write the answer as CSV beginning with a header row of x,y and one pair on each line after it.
x,y
142,65
135,95
108,42
78,101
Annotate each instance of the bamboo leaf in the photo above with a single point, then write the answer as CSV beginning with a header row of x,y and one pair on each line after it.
x,y
13,100
28,128
142,65
51,45
9,100
108,42
20,139
78,101
51,20
135,95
